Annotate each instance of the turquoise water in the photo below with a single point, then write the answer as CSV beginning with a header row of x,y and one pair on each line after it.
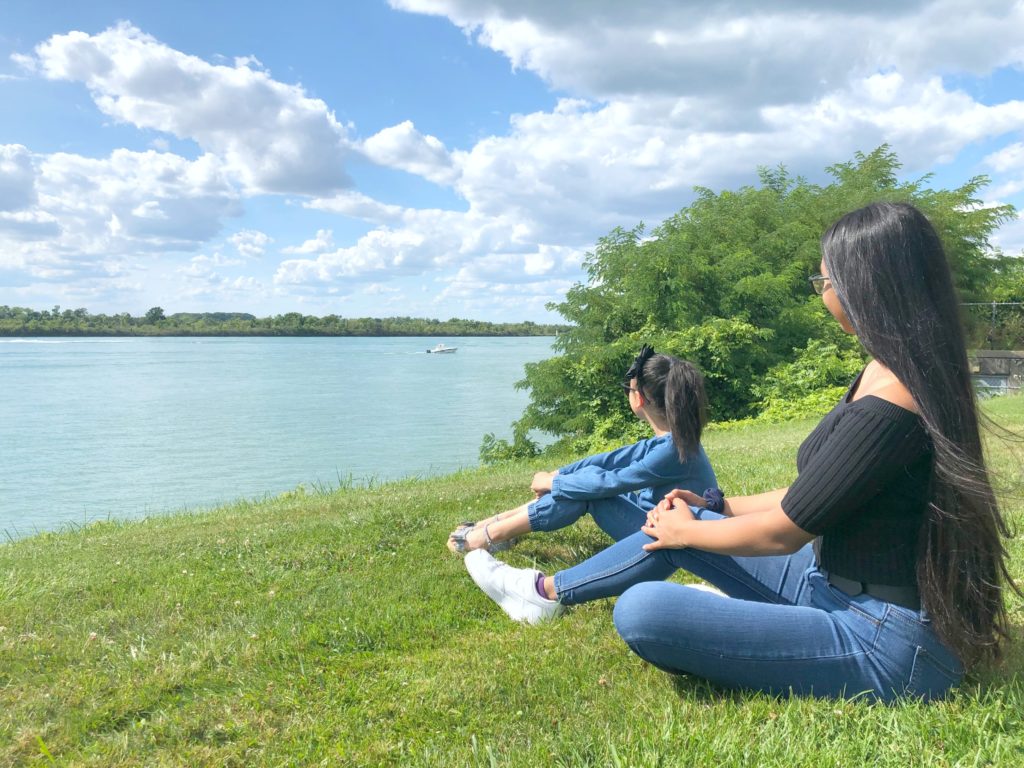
x,y
116,428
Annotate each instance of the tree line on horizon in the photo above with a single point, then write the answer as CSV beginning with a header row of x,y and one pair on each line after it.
x,y
21,321
723,283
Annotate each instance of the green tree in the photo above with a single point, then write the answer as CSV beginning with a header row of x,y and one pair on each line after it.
x,y
154,315
724,283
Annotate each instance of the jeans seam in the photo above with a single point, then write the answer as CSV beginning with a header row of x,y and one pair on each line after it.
x,y
765,592
737,657
912,620
847,602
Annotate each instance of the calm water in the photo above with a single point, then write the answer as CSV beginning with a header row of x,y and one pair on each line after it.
x,y
98,428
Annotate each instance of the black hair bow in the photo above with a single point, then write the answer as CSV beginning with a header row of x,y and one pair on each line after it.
x,y
636,370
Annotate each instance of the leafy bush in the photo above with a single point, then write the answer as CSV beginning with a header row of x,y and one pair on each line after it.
x,y
819,366
494,450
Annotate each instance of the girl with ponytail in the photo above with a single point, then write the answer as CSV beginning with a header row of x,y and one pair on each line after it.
x,y
880,570
620,487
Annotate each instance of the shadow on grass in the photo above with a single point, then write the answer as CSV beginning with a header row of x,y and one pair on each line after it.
x,y
564,549
568,548
551,553
1009,670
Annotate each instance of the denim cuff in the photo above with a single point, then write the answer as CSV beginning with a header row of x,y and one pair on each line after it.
x,y
532,514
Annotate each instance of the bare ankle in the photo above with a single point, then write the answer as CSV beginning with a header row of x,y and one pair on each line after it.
x,y
549,588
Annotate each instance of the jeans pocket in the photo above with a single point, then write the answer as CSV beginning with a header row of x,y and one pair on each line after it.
x,y
930,678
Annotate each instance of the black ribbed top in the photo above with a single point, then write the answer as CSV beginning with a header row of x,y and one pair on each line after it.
x,y
863,486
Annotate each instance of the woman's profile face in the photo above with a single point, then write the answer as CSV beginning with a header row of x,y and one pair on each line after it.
x,y
832,304
636,400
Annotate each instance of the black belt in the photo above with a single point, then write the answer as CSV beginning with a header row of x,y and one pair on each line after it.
x,y
908,597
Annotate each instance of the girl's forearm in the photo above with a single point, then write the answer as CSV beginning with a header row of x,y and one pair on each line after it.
x,y
769,532
737,506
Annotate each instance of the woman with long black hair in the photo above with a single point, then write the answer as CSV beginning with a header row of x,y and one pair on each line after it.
x,y
880,570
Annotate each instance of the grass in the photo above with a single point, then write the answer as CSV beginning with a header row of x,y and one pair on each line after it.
x,y
334,628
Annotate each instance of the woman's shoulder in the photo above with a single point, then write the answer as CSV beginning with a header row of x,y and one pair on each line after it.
x,y
880,384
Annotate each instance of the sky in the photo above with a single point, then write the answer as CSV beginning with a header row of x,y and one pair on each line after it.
x,y
451,158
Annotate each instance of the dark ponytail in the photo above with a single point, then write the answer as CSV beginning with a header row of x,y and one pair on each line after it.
x,y
675,388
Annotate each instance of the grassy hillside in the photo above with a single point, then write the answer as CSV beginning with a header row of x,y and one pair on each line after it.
x,y
336,629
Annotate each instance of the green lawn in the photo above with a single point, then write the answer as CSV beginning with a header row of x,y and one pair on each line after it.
x,y
336,629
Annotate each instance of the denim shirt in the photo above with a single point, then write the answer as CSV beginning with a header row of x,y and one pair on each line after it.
x,y
650,466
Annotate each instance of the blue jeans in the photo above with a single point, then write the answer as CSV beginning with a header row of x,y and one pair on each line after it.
x,y
782,629
618,516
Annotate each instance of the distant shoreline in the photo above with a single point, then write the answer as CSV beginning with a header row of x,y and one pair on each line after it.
x,y
177,333
25,322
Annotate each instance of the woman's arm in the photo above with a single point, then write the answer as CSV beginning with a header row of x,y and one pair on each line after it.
x,y
618,457
765,532
650,464
735,506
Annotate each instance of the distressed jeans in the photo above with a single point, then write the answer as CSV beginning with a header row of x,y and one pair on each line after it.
x,y
783,628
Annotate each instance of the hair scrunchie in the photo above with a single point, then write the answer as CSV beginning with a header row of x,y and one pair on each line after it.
x,y
714,500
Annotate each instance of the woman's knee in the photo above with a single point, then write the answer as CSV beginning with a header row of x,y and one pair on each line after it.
x,y
637,620
636,608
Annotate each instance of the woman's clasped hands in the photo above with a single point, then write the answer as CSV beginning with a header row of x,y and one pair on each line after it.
x,y
667,523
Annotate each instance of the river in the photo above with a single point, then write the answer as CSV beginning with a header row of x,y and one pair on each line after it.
x,y
119,428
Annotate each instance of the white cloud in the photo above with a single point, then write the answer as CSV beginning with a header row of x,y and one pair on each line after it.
x,y
402,146
658,96
358,206
202,280
382,252
413,242
89,218
149,210
251,243
380,289
17,178
202,265
324,241
473,291
28,225
1009,158
85,291
746,54
135,201
1008,162
560,179
270,135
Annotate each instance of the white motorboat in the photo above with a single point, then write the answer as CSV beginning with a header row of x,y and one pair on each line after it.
x,y
441,349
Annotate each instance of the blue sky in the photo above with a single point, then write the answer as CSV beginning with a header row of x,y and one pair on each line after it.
x,y
448,158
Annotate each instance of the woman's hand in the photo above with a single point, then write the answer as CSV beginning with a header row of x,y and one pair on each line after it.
x,y
667,523
696,500
688,496
542,483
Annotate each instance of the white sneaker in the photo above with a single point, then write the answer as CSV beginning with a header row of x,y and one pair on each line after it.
x,y
513,589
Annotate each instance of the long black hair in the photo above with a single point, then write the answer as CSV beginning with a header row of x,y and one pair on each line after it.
x,y
890,274
675,388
